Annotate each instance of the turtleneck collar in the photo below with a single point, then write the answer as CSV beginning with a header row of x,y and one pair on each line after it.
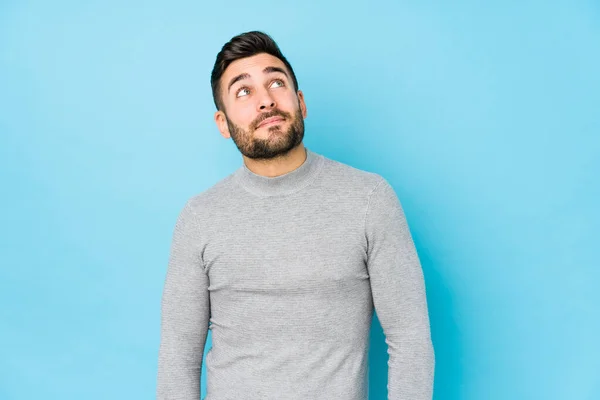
x,y
283,184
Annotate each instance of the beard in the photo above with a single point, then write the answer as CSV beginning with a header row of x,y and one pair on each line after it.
x,y
278,142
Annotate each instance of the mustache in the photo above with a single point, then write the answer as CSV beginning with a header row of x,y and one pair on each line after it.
x,y
274,113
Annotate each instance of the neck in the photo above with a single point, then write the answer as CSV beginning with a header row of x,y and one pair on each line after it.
x,y
279,165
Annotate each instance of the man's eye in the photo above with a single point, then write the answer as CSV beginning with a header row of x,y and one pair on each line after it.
x,y
279,81
241,92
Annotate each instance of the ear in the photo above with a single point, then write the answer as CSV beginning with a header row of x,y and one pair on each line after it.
x,y
221,122
302,103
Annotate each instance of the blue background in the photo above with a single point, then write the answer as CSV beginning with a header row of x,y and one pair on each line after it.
x,y
484,118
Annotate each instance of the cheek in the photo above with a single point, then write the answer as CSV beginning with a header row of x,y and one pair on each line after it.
x,y
287,103
243,115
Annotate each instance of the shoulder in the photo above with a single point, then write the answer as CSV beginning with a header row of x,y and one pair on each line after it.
x,y
349,178
211,199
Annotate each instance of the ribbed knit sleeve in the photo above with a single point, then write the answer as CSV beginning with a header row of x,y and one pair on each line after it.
x,y
185,313
398,290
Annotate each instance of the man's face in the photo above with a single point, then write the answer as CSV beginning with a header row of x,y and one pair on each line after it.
x,y
263,113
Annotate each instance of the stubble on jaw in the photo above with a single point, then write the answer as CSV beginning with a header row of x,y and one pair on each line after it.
x,y
276,144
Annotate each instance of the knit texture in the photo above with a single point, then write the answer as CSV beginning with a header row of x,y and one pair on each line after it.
x,y
286,272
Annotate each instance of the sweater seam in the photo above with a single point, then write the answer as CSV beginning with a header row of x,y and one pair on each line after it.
x,y
197,225
370,197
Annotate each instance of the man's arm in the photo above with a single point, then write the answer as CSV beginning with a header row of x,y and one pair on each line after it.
x,y
398,289
185,313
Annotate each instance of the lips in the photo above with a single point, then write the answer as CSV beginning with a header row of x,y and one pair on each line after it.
x,y
270,120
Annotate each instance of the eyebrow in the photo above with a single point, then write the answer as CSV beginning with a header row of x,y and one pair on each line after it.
x,y
267,70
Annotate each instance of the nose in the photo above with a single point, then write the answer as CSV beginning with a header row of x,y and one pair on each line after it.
x,y
266,101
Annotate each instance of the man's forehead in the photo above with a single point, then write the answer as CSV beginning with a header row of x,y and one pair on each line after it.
x,y
252,65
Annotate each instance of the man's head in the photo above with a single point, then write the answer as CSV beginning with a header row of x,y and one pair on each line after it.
x,y
257,98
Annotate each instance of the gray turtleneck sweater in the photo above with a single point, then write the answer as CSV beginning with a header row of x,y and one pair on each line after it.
x,y
286,272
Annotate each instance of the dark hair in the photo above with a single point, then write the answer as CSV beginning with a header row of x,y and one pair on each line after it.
x,y
241,46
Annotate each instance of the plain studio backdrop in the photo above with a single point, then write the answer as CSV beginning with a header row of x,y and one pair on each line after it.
x,y
484,118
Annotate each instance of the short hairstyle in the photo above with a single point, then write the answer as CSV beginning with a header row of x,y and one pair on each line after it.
x,y
244,45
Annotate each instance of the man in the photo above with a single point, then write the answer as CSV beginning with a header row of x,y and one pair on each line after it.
x,y
286,259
